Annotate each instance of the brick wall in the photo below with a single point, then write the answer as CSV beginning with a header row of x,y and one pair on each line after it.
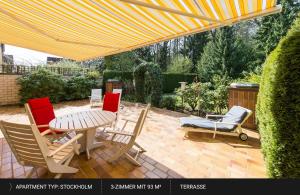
x,y
9,89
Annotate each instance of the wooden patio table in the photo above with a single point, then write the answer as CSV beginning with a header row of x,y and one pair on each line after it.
x,y
85,122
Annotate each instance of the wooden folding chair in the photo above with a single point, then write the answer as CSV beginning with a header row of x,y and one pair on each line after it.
x,y
127,140
111,102
96,97
40,112
120,92
31,148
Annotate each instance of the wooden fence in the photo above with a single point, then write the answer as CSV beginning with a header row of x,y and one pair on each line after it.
x,y
245,97
21,69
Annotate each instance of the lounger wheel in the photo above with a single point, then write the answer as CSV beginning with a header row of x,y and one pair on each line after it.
x,y
243,136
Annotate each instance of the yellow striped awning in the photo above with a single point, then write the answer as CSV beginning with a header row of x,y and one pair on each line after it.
x,y
84,29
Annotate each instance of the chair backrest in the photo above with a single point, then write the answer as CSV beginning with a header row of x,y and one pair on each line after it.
x,y
144,118
118,91
40,112
237,114
96,94
26,143
140,123
111,102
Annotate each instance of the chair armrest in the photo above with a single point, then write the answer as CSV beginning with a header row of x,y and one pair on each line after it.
x,y
126,121
71,141
216,124
47,131
214,115
47,125
227,123
129,120
95,98
120,132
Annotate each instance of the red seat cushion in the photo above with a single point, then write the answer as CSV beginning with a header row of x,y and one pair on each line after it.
x,y
111,102
42,111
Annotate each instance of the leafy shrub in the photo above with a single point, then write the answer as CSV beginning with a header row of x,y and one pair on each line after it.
x,y
67,68
96,63
122,62
180,64
79,87
168,102
214,95
191,94
128,86
66,64
206,100
171,80
220,93
209,96
93,75
41,83
253,77
278,108
129,97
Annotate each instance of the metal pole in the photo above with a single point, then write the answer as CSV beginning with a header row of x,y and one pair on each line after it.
x,y
1,53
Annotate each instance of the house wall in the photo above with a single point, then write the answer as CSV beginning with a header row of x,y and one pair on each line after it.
x,y
9,89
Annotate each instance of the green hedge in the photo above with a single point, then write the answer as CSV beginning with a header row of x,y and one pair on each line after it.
x,y
111,74
170,80
278,108
154,80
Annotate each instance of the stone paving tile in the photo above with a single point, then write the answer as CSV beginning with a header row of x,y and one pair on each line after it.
x,y
168,154
150,174
161,167
160,173
148,166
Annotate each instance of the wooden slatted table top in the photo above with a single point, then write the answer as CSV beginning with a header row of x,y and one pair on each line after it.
x,y
82,120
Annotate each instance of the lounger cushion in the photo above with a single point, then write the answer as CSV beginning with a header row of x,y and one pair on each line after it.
x,y
235,115
203,123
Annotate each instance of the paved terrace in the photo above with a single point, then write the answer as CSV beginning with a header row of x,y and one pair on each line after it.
x,y
168,154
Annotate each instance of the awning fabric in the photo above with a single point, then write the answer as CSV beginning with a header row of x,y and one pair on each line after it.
x,y
84,29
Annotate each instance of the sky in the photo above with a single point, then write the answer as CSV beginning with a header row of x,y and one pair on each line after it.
x,y
26,56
